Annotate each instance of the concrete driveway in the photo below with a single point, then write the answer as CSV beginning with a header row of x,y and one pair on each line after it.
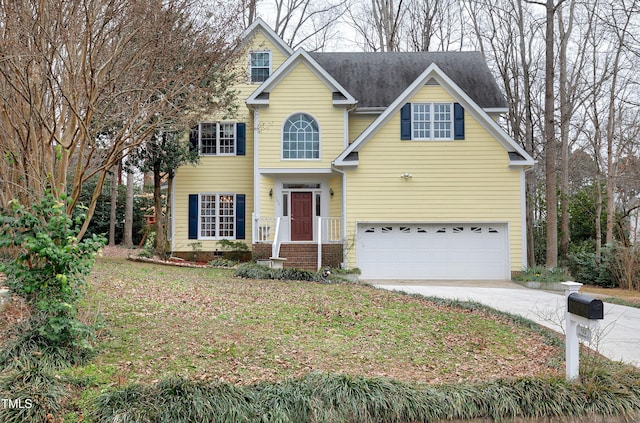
x,y
618,337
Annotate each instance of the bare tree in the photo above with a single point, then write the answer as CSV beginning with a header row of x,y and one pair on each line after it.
x,y
249,11
516,56
379,23
435,24
618,19
80,78
307,23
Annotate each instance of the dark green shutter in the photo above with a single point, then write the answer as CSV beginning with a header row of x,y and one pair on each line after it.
x,y
193,216
405,122
240,216
241,139
458,122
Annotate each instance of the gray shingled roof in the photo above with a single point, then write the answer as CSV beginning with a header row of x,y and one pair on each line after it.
x,y
377,79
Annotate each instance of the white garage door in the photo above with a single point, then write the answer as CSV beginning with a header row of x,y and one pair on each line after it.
x,y
433,251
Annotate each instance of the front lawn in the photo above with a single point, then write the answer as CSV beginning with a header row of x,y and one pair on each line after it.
x,y
199,345
204,324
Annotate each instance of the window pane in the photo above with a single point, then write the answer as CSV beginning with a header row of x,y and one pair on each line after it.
x,y
441,121
421,121
285,204
431,121
259,66
207,215
208,138
226,218
260,58
227,138
301,138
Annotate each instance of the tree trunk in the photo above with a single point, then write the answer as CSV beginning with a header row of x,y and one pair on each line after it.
x,y
169,204
598,217
550,144
161,247
566,111
127,236
114,202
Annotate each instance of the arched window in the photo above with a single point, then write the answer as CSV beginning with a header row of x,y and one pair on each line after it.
x,y
300,138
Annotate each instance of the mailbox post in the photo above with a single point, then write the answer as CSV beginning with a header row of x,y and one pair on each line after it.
x,y
582,311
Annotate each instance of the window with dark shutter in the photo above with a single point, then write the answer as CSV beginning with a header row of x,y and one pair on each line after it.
x,y
219,138
193,216
432,121
241,139
240,216
405,122
458,122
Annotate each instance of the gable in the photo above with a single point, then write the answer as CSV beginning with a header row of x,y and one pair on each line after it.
x,y
478,145
260,42
340,95
434,75
259,33
301,92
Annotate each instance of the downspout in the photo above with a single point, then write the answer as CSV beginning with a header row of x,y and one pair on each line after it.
x,y
344,213
256,174
344,184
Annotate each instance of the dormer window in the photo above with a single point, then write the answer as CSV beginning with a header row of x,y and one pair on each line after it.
x,y
259,66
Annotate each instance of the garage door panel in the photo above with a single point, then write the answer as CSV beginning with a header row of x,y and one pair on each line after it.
x,y
433,251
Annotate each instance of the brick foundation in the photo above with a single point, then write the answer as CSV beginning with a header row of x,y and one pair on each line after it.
x,y
302,256
207,256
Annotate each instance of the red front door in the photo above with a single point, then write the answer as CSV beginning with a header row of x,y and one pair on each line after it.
x,y
301,216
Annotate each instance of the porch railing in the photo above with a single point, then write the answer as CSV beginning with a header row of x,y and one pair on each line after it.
x,y
266,230
330,229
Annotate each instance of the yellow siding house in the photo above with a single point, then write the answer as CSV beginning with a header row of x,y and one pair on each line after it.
x,y
390,162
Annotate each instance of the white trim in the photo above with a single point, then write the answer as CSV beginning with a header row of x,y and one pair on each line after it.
x,y
270,34
300,56
294,171
471,107
345,114
369,110
496,110
173,215
523,216
344,215
256,174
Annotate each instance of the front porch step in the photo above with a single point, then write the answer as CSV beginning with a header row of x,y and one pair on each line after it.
x,y
300,256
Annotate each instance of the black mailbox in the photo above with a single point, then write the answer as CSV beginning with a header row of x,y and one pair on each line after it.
x,y
585,306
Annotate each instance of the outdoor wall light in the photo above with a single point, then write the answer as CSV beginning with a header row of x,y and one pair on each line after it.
x,y
331,192
271,193
406,176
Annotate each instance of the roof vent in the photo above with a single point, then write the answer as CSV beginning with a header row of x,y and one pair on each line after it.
x,y
432,81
